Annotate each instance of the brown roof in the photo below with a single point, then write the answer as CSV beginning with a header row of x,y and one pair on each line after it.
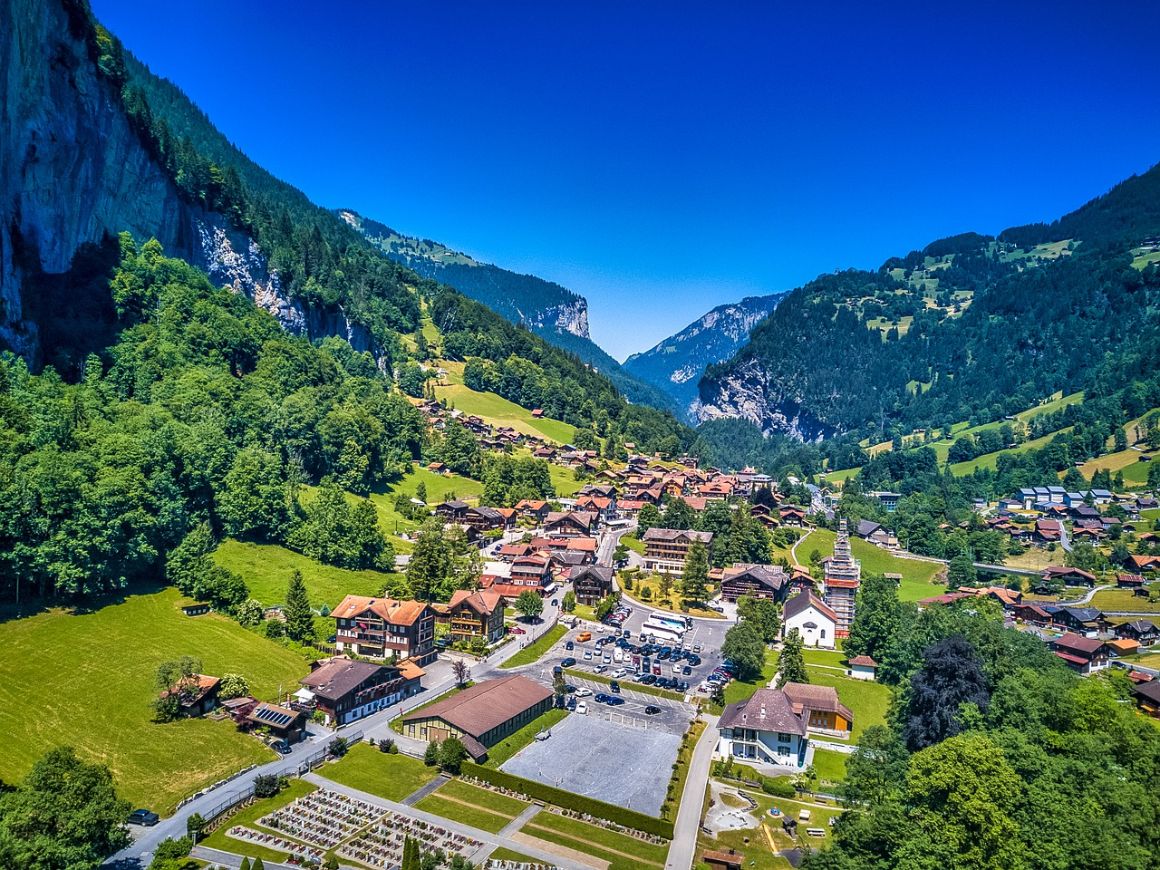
x,y
863,661
765,710
482,602
394,612
807,697
485,705
205,684
655,534
804,600
337,677
408,670
1075,642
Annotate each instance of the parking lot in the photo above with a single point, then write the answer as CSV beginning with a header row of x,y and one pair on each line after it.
x,y
605,755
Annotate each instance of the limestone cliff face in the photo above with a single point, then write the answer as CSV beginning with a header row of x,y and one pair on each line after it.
x,y
748,392
72,171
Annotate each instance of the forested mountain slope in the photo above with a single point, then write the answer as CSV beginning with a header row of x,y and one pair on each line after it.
x,y
971,326
552,312
676,364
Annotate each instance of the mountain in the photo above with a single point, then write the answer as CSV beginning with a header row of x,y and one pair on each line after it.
x,y
971,327
93,145
553,312
676,364
525,299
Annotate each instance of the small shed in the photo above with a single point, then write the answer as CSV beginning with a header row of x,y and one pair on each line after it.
x,y
199,609
718,860
862,668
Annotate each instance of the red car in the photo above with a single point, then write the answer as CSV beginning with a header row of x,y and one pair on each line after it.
x,y
517,630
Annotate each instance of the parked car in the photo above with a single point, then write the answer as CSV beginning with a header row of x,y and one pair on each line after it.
x,y
584,637
614,686
571,703
686,670
582,709
555,602
587,655
568,662
569,645
583,692
600,698
144,817
696,647
614,701
515,629
651,710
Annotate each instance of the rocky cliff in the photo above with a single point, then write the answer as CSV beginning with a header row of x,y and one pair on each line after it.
x,y
676,364
750,393
73,173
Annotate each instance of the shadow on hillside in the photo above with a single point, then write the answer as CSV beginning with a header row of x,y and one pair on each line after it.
x,y
35,605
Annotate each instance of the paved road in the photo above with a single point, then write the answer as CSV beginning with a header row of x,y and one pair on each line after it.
x,y
1087,596
439,680
683,850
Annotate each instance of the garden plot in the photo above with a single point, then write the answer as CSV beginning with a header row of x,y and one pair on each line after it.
x,y
381,845
322,818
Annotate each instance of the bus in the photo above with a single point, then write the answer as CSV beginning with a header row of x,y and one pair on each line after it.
x,y
660,633
676,623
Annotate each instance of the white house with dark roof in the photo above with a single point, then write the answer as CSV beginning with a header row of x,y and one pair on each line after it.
x,y
764,729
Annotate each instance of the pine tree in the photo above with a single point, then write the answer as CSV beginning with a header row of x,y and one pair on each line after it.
x,y
258,865
792,664
696,577
245,864
299,616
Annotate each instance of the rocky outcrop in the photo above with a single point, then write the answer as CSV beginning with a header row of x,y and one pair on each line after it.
x,y
749,393
676,364
72,172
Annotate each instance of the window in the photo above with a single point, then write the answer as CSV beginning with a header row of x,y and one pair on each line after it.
x,y
823,632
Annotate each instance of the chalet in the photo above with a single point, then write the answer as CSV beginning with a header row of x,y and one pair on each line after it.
x,y
1143,564
591,583
1141,630
820,708
472,614
196,695
667,549
1129,581
862,668
482,715
754,581
875,534
765,729
452,511
629,507
1085,620
1147,697
1047,531
483,519
1084,654
1119,647
382,627
510,552
1033,614
1068,576
813,619
437,467
1083,511
531,572
533,509
601,507
344,690
569,524
791,515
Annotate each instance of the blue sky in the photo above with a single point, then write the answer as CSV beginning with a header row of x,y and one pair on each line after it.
x,y
662,158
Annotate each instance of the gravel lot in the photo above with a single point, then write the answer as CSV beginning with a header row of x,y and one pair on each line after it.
x,y
591,755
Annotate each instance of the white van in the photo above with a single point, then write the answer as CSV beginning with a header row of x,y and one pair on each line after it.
x,y
618,655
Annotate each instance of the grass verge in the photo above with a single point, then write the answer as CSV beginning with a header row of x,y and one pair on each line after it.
x,y
379,773
533,652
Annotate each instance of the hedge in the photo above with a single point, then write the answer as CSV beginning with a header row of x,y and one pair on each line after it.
x,y
569,801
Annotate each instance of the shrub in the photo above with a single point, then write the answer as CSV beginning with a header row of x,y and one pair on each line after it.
x,y
266,785
779,786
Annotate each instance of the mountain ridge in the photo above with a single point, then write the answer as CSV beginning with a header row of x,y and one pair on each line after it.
x,y
971,326
676,363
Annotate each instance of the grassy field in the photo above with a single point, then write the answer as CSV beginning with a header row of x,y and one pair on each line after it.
x,y
439,489
867,701
1035,559
249,816
830,766
509,746
673,603
917,576
500,412
633,543
266,568
532,653
86,680
1125,461
620,850
473,806
389,776
1123,599
502,854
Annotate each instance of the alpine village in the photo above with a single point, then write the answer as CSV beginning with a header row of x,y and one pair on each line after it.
x,y
323,546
